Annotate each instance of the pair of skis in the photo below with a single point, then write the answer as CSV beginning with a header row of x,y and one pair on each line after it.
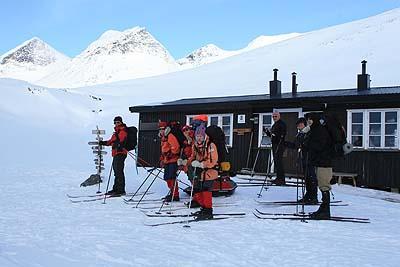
x,y
337,203
190,218
97,197
304,217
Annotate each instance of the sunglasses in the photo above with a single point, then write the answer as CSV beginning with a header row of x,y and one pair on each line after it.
x,y
117,122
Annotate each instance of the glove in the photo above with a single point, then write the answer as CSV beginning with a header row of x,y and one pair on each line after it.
x,y
197,164
182,162
103,143
179,162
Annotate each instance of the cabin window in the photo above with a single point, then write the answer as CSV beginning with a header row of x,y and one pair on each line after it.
x,y
357,129
225,121
372,129
265,122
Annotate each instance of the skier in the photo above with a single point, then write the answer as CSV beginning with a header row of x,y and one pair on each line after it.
x,y
204,160
277,134
170,151
311,195
319,146
119,154
183,160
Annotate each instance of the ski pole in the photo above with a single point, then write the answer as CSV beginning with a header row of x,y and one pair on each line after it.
x,y
297,180
144,181
148,188
162,204
172,193
306,173
132,155
266,176
108,183
190,200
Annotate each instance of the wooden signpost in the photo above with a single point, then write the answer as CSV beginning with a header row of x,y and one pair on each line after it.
x,y
98,151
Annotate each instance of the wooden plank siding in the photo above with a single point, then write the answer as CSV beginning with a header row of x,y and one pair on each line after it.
x,y
376,168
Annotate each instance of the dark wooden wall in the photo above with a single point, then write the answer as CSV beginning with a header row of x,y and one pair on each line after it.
x,y
375,168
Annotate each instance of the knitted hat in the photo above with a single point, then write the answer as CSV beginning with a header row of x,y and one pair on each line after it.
x,y
118,118
200,131
162,124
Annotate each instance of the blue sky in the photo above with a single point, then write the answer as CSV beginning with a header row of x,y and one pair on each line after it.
x,y
180,25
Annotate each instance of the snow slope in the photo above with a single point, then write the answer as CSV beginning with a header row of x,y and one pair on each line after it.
x,y
211,53
328,58
116,55
31,61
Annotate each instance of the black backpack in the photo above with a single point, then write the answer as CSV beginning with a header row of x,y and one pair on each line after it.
x,y
176,130
337,134
217,136
131,140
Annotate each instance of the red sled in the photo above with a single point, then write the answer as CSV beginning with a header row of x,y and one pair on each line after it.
x,y
223,186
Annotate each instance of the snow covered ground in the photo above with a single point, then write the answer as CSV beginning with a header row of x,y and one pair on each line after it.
x,y
39,226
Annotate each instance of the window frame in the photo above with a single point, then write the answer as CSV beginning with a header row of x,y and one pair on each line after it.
x,y
220,120
366,128
260,127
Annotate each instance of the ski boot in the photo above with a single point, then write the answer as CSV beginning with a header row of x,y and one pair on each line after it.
x,y
205,214
324,211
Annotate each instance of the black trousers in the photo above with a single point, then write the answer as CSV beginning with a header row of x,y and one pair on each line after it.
x,y
310,179
278,161
118,167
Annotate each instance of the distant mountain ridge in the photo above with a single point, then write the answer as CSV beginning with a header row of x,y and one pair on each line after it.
x,y
114,56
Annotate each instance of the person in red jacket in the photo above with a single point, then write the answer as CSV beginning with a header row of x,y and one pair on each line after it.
x,y
204,160
119,153
188,132
170,152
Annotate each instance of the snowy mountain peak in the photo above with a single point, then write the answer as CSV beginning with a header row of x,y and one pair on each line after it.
x,y
135,40
206,54
116,55
33,51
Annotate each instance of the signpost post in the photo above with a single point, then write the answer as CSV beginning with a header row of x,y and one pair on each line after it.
x,y
99,153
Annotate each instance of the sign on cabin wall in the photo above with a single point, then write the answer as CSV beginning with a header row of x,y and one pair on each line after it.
x,y
242,131
242,118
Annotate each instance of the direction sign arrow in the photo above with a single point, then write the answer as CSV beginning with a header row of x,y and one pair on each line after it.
x,y
98,132
100,152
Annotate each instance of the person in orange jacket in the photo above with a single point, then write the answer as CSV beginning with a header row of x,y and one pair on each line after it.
x,y
204,160
170,152
119,153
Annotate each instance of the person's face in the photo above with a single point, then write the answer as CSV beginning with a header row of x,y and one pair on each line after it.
x,y
162,131
276,117
186,132
309,122
300,126
117,123
199,138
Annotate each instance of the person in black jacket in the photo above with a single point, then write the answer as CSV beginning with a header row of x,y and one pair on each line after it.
x,y
310,177
319,146
277,134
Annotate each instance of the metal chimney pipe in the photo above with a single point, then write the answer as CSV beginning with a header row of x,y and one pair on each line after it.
x,y
294,83
364,67
363,80
275,85
275,74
